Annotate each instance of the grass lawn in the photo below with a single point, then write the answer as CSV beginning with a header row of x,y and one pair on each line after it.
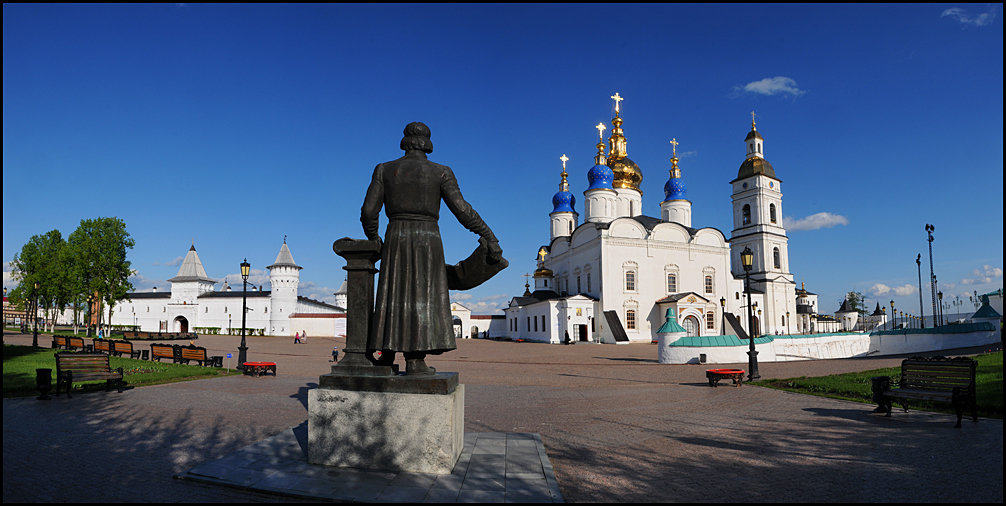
x,y
857,386
20,362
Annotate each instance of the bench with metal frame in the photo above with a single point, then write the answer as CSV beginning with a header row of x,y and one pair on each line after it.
x,y
938,379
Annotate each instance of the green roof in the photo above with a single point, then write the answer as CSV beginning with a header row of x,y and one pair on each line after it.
x,y
986,311
727,340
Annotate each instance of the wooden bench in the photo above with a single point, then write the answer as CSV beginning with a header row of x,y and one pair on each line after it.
x,y
72,367
103,346
159,351
120,348
197,353
58,342
938,379
74,343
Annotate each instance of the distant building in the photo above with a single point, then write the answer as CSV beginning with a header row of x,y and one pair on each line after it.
x,y
192,305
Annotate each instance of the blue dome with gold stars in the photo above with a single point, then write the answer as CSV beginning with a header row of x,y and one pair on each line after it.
x,y
600,176
674,189
563,202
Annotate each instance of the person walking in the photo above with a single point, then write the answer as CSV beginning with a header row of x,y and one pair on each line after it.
x,y
296,338
303,336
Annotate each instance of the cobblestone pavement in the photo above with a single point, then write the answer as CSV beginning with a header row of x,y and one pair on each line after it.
x,y
617,426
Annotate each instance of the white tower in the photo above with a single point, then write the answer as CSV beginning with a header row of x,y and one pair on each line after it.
x,y
284,276
599,197
757,206
563,216
191,280
675,207
341,295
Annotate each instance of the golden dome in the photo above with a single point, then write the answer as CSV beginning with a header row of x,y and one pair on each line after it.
x,y
627,173
542,272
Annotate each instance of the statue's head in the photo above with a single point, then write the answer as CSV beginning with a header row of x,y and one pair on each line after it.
x,y
417,136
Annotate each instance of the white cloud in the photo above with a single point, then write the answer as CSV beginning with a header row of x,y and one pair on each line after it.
x,y
8,280
904,290
779,85
815,221
984,275
965,18
882,289
172,263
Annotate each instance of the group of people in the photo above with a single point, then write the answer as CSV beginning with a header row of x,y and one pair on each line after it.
x,y
300,337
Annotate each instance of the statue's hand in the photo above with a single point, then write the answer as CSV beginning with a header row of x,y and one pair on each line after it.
x,y
495,252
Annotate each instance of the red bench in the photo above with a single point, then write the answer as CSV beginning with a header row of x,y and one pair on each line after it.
x,y
715,375
258,368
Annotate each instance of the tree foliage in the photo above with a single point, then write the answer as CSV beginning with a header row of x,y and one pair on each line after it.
x,y
92,259
857,301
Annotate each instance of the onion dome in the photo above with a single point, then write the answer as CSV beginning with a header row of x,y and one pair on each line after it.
x,y
756,166
600,175
563,201
626,172
674,188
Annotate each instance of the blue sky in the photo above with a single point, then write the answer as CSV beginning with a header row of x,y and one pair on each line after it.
x,y
234,125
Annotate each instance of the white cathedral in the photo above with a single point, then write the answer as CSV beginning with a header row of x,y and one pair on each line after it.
x,y
192,304
613,277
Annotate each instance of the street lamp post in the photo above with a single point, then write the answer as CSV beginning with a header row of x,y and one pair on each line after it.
x,y
894,316
787,323
940,295
723,316
243,349
34,317
932,276
747,260
918,266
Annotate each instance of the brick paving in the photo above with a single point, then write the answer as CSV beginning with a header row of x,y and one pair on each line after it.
x,y
616,425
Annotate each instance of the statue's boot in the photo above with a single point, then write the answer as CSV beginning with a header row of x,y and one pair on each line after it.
x,y
416,366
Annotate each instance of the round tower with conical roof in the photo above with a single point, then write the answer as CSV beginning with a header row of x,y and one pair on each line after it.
x,y
284,276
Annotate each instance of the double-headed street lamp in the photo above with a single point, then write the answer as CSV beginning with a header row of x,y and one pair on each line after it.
x,y
747,260
723,316
243,349
894,316
932,276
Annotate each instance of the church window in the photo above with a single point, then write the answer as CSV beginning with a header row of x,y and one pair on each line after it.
x,y
542,322
630,281
710,320
672,283
578,290
737,295
751,147
775,258
148,309
546,283
528,323
746,214
206,309
589,289
536,324
267,309
691,325
771,213
630,319
225,309
571,227
709,284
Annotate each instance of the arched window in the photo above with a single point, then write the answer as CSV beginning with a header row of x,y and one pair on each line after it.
x,y
571,227
630,281
672,282
775,258
710,320
691,325
578,290
630,319
709,284
589,289
771,213
746,215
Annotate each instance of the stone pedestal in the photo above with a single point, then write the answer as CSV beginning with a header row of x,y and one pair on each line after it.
x,y
388,430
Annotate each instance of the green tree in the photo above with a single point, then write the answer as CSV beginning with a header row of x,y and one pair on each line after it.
x,y
857,301
42,260
99,248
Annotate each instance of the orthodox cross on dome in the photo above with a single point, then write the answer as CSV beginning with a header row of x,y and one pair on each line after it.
x,y
617,99
541,254
600,130
674,147
284,238
564,159
752,120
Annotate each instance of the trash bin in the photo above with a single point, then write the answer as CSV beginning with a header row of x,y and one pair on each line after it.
x,y
145,354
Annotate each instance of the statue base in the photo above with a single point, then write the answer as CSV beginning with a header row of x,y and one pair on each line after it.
x,y
394,423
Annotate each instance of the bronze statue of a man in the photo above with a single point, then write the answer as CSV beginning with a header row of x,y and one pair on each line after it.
x,y
413,311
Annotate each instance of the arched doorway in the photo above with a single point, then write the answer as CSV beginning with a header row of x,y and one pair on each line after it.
x,y
691,325
182,323
457,327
